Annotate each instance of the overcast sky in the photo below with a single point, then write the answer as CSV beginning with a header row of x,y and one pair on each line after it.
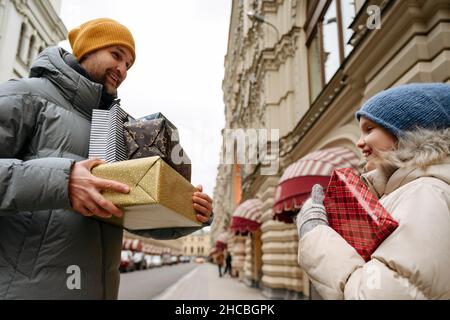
x,y
180,50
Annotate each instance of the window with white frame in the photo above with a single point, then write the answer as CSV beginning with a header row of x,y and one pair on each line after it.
x,y
328,35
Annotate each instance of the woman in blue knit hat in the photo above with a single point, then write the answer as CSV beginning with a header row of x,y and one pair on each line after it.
x,y
405,138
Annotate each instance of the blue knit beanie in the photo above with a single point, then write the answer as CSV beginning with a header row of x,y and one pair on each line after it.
x,y
404,108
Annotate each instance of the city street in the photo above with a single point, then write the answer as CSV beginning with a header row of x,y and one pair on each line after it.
x,y
184,282
148,284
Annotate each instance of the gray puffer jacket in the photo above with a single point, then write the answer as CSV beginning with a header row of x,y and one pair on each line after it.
x,y
44,129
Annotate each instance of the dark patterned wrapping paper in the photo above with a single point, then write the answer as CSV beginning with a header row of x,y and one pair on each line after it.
x,y
154,135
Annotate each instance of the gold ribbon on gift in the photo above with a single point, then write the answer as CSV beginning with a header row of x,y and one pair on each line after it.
x,y
159,196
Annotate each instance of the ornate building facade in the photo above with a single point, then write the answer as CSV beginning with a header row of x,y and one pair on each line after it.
x,y
26,28
304,68
197,244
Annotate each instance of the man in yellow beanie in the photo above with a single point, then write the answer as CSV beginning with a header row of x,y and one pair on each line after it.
x,y
48,248
106,50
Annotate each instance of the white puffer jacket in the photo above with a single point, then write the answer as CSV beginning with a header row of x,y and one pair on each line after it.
x,y
414,261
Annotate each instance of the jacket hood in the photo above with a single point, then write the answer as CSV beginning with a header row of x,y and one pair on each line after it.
x,y
81,92
420,148
420,153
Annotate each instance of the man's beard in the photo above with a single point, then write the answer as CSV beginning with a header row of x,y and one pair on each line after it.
x,y
109,89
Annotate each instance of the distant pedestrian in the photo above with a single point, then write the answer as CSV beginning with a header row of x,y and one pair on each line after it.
x,y
405,136
219,261
228,264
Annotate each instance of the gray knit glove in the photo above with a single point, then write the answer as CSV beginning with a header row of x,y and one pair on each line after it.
x,y
313,212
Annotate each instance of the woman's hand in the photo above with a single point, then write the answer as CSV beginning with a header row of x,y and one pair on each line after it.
x,y
313,212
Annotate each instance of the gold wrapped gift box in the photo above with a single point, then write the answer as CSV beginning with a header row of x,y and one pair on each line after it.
x,y
159,196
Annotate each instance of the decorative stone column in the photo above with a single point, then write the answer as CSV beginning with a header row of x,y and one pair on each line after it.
x,y
248,262
237,250
282,276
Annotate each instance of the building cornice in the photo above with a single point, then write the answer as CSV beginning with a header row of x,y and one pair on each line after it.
x,y
52,18
43,14
359,24
21,6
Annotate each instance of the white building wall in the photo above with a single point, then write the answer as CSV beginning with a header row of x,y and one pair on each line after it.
x,y
43,28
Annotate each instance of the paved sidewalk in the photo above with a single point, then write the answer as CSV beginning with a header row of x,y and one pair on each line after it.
x,y
204,283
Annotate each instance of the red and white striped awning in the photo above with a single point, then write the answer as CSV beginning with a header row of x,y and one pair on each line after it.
x,y
136,245
126,244
222,241
247,217
146,248
132,244
151,249
297,181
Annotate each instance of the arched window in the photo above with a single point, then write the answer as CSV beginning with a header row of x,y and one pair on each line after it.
x,y
23,30
30,49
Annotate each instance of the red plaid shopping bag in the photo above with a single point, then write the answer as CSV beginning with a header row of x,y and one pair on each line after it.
x,y
356,214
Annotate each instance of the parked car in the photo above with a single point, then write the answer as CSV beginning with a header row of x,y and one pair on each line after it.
x,y
166,259
139,261
152,261
126,261
199,260
185,259
148,261
156,261
173,260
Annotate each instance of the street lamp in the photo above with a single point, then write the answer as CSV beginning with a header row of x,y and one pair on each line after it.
x,y
256,17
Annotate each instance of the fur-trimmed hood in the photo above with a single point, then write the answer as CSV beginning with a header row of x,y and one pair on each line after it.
x,y
420,153
420,148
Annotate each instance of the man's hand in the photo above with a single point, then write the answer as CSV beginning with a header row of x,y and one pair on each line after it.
x,y
202,204
85,191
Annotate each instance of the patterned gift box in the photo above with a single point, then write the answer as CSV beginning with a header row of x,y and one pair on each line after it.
x,y
356,214
155,135
107,134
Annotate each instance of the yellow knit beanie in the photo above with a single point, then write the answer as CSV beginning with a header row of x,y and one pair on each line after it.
x,y
98,34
